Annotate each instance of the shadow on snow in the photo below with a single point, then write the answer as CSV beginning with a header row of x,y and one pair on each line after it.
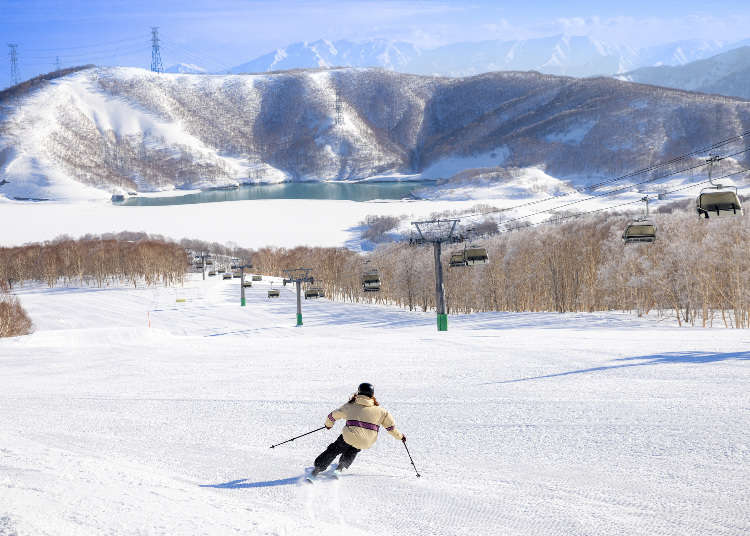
x,y
656,359
243,483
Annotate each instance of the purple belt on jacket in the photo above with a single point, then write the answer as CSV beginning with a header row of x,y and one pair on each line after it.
x,y
361,424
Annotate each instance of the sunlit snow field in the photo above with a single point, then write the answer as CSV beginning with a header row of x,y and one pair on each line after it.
x,y
521,424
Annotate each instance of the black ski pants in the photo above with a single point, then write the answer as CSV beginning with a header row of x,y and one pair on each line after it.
x,y
348,453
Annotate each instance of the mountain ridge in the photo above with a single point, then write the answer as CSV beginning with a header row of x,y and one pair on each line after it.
x,y
120,129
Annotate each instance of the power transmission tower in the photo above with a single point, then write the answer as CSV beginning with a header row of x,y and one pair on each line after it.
x,y
437,232
156,65
298,276
13,53
57,63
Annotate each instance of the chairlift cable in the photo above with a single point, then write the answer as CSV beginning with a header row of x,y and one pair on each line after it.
x,y
579,214
603,194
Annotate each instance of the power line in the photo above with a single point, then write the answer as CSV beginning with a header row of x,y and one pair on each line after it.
x,y
98,45
201,57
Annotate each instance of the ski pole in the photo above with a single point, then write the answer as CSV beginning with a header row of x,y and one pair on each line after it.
x,y
297,437
410,458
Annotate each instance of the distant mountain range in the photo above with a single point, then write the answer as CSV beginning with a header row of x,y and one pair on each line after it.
x,y
101,130
560,55
185,68
727,74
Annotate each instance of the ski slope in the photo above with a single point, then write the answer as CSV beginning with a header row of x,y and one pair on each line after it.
x,y
520,424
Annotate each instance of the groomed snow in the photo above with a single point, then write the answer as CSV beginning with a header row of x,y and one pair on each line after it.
x,y
521,424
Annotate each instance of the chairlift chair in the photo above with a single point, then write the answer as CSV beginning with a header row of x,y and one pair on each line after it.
x,y
458,259
311,293
641,229
273,293
257,278
475,254
236,275
371,281
717,199
247,284
212,273
227,276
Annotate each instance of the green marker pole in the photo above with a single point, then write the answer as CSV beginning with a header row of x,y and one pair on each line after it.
x,y
442,318
299,303
242,286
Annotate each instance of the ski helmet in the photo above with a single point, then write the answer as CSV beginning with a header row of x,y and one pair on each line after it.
x,y
366,389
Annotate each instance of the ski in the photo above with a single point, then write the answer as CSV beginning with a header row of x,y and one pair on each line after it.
x,y
328,474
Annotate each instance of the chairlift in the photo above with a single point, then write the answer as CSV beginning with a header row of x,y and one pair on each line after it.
x,y
641,229
311,293
457,259
717,199
236,275
371,281
469,256
273,293
257,278
247,284
475,254
222,270
227,276
211,273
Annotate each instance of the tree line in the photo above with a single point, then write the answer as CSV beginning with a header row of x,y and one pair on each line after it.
x,y
96,260
697,271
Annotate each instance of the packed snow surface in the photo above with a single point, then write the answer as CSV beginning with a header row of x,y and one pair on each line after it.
x,y
520,424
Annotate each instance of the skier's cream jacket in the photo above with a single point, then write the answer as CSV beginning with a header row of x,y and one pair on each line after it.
x,y
363,421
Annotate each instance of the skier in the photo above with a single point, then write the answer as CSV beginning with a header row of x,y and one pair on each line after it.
x,y
364,417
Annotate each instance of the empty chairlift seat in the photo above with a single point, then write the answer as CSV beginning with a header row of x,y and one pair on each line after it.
x,y
311,293
247,284
371,281
257,278
273,293
226,276
476,255
458,259
639,231
719,201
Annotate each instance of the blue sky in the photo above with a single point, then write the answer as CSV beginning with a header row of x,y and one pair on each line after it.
x,y
222,33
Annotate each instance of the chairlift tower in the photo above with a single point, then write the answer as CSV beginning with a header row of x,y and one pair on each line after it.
x,y
242,283
438,232
298,276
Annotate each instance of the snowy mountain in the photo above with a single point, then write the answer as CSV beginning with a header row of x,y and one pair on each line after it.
x,y
559,54
101,130
726,74
185,68
375,53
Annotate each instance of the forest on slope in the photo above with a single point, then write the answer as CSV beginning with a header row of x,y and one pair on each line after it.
x,y
122,129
